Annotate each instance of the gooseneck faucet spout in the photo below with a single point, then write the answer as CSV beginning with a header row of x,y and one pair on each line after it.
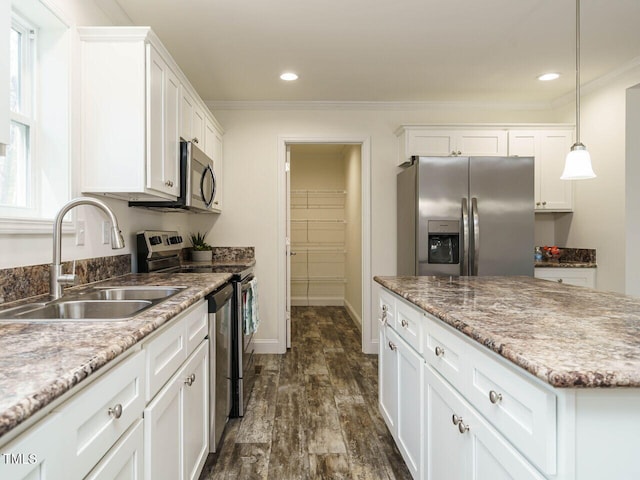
x,y
56,279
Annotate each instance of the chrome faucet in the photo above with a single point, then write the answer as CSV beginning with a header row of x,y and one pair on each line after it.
x,y
56,278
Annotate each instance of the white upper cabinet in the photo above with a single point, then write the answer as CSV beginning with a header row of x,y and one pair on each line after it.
x,y
136,105
438,141
549,147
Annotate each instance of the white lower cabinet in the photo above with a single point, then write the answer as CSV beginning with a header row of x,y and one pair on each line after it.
x,y
387,380
176,435
460,444
580,277
125,460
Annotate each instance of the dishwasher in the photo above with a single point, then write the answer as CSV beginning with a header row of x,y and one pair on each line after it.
x,y
220,366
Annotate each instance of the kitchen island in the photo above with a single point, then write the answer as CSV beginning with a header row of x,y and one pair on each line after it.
x,y
546,374
42,361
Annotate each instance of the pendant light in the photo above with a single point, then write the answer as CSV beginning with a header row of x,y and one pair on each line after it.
x,y
577,165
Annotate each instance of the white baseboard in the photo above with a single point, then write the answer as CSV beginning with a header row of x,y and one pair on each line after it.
x,y
269,345
371,347
354,316
317,302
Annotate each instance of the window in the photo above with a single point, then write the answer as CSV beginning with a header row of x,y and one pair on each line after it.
x,y
35,172
16,168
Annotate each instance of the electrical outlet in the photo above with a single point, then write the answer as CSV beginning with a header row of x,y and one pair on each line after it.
x,y
106,232
80,230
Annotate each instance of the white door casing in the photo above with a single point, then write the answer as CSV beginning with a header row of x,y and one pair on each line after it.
x,y
287,242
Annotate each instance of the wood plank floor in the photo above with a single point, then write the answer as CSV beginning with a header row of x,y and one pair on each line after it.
x,y
313,413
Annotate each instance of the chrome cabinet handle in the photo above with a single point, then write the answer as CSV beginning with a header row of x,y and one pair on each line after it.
x,y
392,345
293,254
169,183
439,351
495,397
115,412
462,428
385,308
404,323
383,319
456,419
190,379
195,140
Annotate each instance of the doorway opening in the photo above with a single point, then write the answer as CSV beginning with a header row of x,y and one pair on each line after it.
x,y
326,211
326,229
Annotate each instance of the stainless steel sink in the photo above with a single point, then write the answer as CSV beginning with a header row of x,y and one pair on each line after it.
x,y
133,293
101,304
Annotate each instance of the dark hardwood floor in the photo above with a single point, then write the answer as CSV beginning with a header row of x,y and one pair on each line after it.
x,y
313,413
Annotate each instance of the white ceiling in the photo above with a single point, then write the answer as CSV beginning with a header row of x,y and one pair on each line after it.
x,y
390,50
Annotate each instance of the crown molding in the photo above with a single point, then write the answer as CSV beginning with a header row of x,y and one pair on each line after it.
x,y
596,83
351,105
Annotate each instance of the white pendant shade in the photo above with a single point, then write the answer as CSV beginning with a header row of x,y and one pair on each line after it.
x,y
577,165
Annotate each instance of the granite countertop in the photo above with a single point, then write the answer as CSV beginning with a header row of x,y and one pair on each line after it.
x,y
42,361
567,336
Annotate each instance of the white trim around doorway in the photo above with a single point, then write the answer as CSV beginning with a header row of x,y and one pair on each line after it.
x,y
369,343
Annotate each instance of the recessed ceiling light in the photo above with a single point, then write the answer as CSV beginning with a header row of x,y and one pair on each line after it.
x,y
289,76
545,77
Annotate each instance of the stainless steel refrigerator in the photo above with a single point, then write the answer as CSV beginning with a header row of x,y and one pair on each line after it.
x,y
466,216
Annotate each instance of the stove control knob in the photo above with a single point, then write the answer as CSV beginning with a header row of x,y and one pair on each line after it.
x,y
155,240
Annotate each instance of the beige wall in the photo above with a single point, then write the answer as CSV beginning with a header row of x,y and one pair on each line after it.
x,y
252,174
632,179
353,244
599,220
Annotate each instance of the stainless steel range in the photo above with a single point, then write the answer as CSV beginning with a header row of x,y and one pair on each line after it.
x,y
159,251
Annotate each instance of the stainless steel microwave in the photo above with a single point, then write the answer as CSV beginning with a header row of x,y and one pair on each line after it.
x,y
198,185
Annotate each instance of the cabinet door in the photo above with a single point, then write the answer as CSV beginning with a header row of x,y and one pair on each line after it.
x,y
187,106
197,124
555,194
430,143
481,143
549,149
387,380
162,125
580,277
124,460
162,433
410,403
446,450
196,411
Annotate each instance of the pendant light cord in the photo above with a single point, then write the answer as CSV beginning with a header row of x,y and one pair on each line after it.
x,y
577,71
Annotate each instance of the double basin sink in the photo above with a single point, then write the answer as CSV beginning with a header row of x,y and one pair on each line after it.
x,y
98,304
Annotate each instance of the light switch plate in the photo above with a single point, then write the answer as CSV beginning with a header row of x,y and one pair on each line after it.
x,y
80,230
106,232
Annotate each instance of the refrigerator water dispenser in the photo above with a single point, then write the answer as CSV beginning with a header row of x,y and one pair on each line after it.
x,y
444,242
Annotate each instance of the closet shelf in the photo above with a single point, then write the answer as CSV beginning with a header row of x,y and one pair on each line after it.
x,y
319,279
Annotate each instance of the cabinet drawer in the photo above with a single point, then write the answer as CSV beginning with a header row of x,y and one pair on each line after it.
x,y
522,411
165,354
386,308
445,352
124,460
98,416
197,325
409,324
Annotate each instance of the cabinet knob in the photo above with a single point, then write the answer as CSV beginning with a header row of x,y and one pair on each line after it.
x,y
392,345
195,140
455,419
215,203
559,280
169,183
404,323
190,379
458,152
115,412
544,203
439,351
495,397
462,428
537,204
453,153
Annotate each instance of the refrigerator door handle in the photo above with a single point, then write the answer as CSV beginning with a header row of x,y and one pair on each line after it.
x,y
476,236
465,238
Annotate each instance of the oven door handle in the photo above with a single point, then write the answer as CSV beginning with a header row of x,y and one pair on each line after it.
x,y
208,171
245,283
